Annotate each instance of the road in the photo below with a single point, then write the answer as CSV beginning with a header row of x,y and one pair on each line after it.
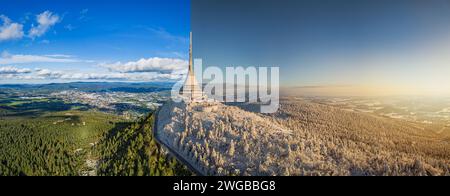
x,y
172,151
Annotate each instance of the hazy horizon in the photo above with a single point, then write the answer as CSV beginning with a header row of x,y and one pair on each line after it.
x,y
377,47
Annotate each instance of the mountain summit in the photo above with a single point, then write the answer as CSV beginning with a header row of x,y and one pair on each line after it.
x,y
302,138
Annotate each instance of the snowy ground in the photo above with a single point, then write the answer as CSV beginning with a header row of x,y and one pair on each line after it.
x,y
223,140
303,138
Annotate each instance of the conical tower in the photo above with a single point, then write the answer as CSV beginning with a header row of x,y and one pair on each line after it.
x,y
191,89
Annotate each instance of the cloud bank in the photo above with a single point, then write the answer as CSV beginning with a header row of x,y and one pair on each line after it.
x,y
13,70
7,58
155,64
13,73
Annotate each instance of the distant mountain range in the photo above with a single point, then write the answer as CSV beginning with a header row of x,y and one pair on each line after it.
x,y
142,87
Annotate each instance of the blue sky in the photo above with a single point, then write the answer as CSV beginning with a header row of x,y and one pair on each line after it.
x,y
50,40
390,46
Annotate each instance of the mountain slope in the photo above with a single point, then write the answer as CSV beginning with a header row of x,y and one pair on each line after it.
x,y
303,138
132,151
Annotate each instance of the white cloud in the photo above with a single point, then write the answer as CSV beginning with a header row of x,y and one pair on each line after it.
x,y
13,70
143,70
156,64
10,73
162,33
94,76
45,41
84,11
10,30
69,27
59,55
7,58
83,14
48,74
111,76
45,21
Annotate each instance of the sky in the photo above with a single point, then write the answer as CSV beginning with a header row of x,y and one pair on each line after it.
x,y
350,47
44,41
346,47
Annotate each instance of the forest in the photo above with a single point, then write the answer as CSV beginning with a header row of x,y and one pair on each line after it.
x,y
56,143
301,139
73,143
45,136
133,152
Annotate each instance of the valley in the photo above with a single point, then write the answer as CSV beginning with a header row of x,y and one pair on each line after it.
x,y
41,135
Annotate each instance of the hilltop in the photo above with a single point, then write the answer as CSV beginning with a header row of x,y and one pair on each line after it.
x,y
302,138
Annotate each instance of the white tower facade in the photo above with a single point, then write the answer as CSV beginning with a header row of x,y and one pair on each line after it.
x,y
191,90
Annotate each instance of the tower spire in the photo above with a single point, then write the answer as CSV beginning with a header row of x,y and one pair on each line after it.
x,y
190,53
191,90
